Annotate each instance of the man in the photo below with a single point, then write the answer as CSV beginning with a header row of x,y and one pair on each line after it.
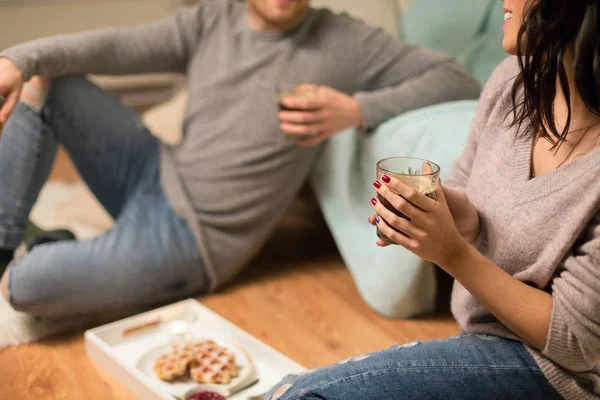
x,y
190,217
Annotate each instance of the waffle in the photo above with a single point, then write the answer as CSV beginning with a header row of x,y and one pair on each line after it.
x,y
207,363
174,364
212,363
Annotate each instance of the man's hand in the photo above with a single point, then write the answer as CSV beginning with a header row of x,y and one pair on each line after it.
x,y
322,115
11,85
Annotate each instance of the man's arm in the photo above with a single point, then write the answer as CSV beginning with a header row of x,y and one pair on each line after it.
x,y
162,46
397,77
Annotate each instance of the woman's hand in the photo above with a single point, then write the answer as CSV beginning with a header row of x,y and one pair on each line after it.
x,y
430,231
464,213
11,85
322,115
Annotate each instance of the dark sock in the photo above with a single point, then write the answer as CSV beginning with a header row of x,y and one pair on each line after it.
x,y
31,231
44,237
6,257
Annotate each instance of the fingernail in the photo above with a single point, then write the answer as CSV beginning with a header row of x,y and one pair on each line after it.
x,y
377,184
374,201
386,179
377,220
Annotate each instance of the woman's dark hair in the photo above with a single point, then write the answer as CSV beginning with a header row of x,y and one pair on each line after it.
x,y
549,29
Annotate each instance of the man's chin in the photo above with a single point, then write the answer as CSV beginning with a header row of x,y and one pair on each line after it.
x,y
285,4
284,18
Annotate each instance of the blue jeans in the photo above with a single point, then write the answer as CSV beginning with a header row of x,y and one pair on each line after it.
x,y
149,257
463,367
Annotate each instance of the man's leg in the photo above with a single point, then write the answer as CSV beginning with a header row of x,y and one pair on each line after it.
x,y
150,257
27,151
468,367
106,140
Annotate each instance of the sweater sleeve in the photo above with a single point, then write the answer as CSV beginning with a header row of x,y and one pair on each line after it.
x,y
499,81
397,77
573,340
161,46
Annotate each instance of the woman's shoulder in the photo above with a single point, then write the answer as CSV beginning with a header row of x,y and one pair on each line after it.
x,y
503,77
496,97
495,104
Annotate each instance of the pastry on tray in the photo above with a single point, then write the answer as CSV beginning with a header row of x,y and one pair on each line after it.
x,y
174,364
207,362
212,363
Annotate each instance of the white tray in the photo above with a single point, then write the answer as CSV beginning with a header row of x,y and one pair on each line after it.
x,y
119,354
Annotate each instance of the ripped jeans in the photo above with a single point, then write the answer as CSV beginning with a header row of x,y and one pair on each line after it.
x,y
461,367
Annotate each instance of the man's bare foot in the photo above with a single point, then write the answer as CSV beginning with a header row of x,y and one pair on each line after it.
x,y
4,285
35,91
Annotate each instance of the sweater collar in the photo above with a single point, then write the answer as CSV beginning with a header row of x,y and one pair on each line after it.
x,y
529,188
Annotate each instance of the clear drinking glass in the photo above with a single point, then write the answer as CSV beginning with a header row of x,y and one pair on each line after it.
x,y
409,171
179,330
285,90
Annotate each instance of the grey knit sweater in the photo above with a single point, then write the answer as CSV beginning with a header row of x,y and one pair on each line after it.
x,y
234,173
544,231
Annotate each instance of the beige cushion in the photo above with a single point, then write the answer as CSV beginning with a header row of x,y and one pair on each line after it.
x,y
165,121
381,13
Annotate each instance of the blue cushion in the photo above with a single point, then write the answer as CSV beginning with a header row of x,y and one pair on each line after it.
x,y
446,26
393,281
486,52
469,30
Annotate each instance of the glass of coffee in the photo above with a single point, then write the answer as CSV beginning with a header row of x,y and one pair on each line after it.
x,y
417,173
285,90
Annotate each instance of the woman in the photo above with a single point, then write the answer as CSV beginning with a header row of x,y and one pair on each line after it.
x,y
517,224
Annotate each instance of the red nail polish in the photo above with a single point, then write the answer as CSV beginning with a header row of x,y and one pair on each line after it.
x,y
377,184
386,179
374,201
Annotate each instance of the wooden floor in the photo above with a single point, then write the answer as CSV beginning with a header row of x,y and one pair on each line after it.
x,y
297,297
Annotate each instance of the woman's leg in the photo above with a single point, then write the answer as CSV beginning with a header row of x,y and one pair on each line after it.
x,y
464,367
150,257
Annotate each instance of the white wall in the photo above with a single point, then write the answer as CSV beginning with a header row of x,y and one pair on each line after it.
x,y
375,12
25,20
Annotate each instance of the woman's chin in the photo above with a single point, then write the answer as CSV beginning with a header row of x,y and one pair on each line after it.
x,y
509,46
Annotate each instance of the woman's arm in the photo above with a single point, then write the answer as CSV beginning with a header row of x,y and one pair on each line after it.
x,y
432,235
161,46
464,213
523,309
564,324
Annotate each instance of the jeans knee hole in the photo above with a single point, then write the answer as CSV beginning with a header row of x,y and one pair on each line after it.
x,y
355,359
281,390
409,345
